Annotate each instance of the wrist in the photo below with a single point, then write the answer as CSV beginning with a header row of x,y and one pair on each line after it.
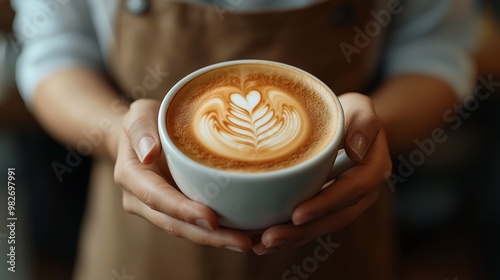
x,y
113,134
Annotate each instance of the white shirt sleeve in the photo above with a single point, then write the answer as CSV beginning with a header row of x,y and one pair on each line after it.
x,y
434,38
53,35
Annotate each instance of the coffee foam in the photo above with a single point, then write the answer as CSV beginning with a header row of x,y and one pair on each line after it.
x,y
252,118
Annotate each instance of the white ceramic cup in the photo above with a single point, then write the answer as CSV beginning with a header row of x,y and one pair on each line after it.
x,y
257,200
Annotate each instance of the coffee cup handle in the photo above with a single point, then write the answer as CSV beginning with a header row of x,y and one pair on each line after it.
x,y
342,163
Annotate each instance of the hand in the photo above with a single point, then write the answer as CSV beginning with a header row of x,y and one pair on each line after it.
x,y
148,189
351,194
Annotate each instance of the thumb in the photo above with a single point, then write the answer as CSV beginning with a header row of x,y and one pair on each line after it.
x,y
362,125
141,126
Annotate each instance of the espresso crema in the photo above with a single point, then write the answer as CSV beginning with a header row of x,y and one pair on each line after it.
x,y
252,118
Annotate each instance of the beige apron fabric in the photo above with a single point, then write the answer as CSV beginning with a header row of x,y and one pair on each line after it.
x,y
179,38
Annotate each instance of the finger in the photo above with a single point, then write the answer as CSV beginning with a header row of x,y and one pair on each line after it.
x,y
147,184
141,126
221,238
362,125
254,235
349,188
287,236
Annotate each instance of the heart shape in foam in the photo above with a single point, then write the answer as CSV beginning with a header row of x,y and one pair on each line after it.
x,y
249,102
262,124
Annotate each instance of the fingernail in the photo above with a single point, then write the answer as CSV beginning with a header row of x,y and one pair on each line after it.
x,y
259,249
359,145
235,249
146,145
203,223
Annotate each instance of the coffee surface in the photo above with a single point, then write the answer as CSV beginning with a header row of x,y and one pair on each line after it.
x,y
252,118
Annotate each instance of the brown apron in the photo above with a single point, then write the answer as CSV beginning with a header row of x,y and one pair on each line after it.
x,y
177,38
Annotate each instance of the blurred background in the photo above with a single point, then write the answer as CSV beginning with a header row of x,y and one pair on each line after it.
x,y
48,211
447,212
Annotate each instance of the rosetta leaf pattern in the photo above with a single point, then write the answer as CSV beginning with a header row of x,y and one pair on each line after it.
x,y
254,124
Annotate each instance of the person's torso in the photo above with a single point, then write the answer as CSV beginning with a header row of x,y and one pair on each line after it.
x,y
337,41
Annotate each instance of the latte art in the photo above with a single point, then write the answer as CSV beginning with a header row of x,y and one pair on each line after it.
x,y
252,118
261,124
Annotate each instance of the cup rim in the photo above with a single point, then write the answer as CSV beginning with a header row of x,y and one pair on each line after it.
x,y
332,147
